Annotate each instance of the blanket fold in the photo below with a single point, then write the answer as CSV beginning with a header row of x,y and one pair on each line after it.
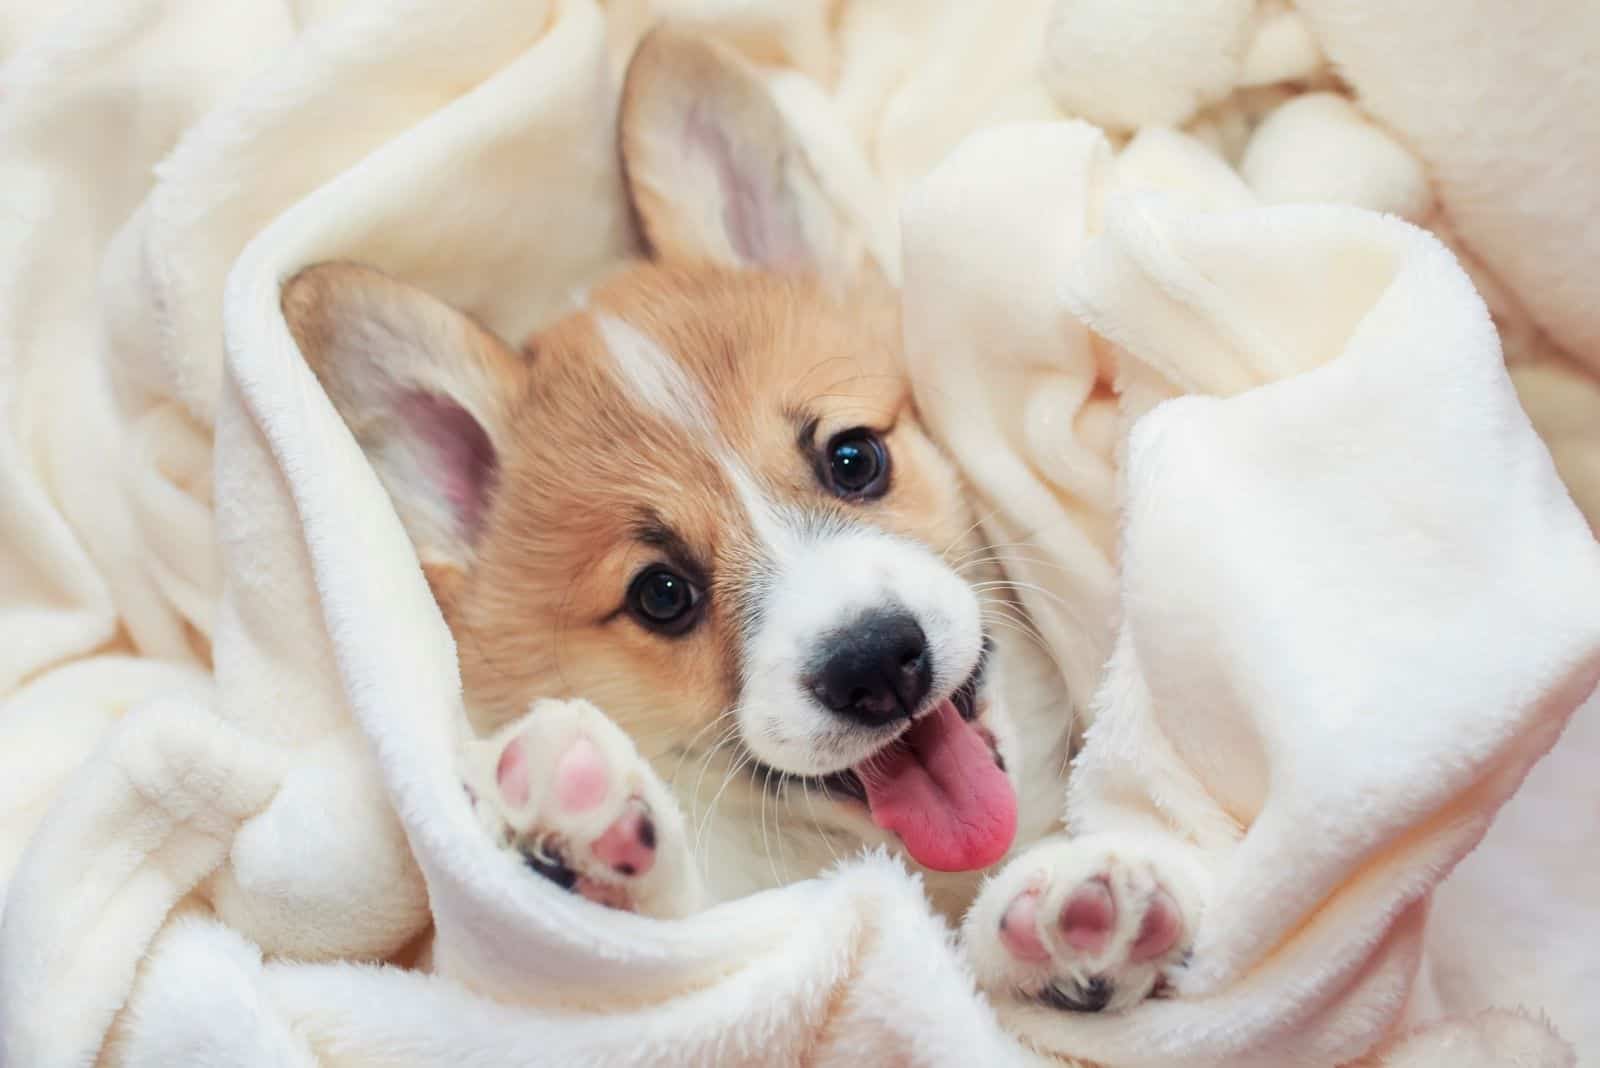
x,y
1336,853
1259,474
1263,640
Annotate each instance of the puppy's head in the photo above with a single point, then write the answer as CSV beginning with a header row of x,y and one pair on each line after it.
x,y
702,501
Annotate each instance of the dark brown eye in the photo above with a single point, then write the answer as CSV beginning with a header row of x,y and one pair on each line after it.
x,y
664,600
857,464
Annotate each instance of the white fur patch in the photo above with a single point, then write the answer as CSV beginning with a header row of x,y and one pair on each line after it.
x,y
778,531
653,377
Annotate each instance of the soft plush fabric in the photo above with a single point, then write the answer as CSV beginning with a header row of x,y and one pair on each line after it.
x,y
1501,100
1338,597
1308,571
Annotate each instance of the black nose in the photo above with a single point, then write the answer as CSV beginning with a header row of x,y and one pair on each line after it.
x,y
875,670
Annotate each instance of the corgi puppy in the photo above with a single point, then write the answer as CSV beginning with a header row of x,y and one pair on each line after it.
x,y
721,606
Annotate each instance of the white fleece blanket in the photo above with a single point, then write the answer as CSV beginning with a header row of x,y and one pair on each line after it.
x,y
1338,599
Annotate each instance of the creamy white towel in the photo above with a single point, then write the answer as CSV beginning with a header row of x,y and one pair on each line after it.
x,y
230,706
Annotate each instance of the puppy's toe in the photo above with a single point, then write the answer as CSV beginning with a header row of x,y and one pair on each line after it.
x,y
1160,929
1089,917
628,846
1019,929
582,778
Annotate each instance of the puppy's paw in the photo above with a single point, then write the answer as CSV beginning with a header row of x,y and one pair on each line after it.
x,y
1086,925
565,788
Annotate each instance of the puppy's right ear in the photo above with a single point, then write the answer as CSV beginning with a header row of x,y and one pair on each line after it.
x,y
425,390
713,169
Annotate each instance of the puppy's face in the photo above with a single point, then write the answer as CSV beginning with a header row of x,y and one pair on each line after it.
x,y
703,501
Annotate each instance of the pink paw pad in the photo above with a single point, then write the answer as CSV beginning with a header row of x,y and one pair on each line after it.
x,y
582,779
1089,916
511,773
1160,929
1019,930
629,845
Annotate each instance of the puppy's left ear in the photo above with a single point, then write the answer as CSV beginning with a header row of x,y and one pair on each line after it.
x,y
714,170
428,393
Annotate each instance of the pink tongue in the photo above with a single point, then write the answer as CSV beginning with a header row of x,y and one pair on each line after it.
x,y
940,790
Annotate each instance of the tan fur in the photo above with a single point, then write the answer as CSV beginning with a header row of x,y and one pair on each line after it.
x,y
536,596
538,612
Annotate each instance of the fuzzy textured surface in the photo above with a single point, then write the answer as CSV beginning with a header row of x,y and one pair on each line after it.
x,y
1337,597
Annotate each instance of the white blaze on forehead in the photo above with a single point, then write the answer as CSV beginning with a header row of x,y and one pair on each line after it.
x,y
779,530
650,374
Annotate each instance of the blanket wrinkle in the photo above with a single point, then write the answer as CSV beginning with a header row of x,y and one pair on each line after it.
x,y
1273,501
72,916
1171,286
1525,212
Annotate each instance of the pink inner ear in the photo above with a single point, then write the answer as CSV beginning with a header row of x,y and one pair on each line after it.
x,y
459,451
762,224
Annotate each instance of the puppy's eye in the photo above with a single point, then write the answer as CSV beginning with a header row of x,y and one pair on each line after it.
x,y
857,464
664,600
